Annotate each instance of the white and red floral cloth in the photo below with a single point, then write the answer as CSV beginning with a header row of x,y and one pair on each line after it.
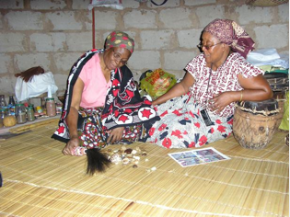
x,y
181,124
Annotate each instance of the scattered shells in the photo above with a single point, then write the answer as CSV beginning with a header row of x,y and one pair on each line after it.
x,y
128,151
126,160
126,156
115,158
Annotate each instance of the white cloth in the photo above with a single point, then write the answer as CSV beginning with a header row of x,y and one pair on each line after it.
x,y
268,57
38,85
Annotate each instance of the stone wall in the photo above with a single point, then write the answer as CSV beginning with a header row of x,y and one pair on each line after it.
x,y
54,33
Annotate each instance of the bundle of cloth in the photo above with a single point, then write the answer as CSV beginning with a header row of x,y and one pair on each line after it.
x,y
33,82
274,65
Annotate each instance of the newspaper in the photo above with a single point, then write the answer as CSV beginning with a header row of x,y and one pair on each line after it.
x,y
198,156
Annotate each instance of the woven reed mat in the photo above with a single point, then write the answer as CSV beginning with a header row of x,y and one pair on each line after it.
x,y
39,181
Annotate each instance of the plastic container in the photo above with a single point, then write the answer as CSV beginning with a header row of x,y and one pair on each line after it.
x,y
50,107
20,113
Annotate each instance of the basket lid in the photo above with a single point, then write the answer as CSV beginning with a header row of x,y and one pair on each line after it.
x,y
266,108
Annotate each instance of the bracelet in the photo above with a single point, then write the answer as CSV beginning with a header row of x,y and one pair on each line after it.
x,y
241,96
73,137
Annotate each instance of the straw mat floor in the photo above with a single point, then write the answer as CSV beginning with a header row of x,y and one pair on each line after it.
x,y
39,181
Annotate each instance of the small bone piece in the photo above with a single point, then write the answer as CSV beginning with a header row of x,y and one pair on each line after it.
x,y
136,157
138,149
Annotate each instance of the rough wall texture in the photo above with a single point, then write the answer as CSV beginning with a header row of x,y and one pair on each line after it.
x,y
54,33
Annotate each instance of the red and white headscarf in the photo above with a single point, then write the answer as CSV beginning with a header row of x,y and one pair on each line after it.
x,y
230,33
119,39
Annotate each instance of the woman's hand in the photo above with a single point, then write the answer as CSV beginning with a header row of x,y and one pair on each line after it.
x,y
72,143
115,135
177,90
221,100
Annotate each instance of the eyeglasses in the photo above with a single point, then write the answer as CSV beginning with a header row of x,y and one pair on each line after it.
x,y
200,46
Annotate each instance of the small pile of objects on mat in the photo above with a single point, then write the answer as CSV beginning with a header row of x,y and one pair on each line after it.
x,y
125,155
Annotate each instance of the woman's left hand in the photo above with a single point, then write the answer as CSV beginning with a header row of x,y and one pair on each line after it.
x,y
115,135
220,101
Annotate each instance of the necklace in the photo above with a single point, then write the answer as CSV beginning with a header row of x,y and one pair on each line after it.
x,y
209,78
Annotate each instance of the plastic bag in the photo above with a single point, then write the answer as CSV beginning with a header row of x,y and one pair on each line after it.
x,y
115,4
157,83
285,120
36,86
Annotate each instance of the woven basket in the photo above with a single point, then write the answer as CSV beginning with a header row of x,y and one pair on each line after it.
x,y
265,3
255,131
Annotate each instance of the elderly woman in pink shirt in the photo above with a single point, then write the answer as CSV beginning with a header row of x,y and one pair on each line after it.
x,y
103,105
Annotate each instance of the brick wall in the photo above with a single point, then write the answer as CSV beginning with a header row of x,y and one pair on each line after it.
x,y
54,33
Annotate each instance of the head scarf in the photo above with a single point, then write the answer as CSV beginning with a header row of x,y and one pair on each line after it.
x,y
230,33
119,39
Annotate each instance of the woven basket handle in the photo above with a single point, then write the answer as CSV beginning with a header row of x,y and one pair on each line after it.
x,y
158,4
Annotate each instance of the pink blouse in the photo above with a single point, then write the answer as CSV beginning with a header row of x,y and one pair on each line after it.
x,y
95,84
208,83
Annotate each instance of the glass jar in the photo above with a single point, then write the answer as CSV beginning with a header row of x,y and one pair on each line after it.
x,y
20,113
30,113
58,108
50,107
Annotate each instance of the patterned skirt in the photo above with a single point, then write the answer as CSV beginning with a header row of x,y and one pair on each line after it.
x,y
91,132
182,126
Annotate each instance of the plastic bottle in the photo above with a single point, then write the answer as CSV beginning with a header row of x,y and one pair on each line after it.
x,y
11,105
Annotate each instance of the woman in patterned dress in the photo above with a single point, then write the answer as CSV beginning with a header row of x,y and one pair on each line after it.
x,y
199,109
103,105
